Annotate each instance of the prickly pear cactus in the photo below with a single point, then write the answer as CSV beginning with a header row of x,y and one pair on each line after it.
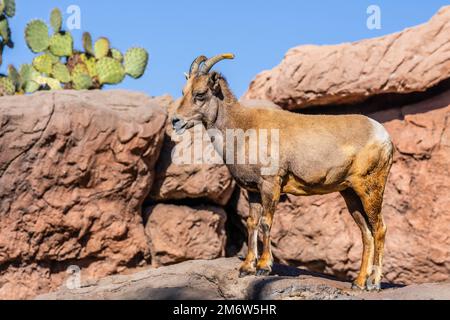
x,y
82,81
43,63
110,71
5,31
49,83
56,20
14,75
91,64
136,60
11,84
7,10
36,36
61,45
7,87
59,65
61,73
87,44
29,77
101,48
116,54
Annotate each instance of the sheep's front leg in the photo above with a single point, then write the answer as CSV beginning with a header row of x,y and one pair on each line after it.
x,y
270,195
253,223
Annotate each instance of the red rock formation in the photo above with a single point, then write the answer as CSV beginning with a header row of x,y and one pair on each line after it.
x,y
211,182
75,168
410,61
180,233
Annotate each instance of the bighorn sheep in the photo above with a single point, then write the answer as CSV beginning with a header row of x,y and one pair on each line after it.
x,y
350,154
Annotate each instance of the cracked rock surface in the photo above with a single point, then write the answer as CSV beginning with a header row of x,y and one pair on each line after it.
x,y
218,280
75,168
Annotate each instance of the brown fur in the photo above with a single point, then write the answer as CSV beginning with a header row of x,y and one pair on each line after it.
x,y
319,155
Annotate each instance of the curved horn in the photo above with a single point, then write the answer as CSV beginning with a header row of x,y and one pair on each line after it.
x,y
213,61
195,66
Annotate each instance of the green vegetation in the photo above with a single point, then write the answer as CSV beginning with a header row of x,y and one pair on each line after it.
x,y
58,65
8,84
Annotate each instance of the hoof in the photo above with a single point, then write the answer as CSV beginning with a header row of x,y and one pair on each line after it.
x,y
263,272
356,286
245,273
372,286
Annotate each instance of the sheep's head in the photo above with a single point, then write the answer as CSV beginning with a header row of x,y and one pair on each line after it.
x,y
201,95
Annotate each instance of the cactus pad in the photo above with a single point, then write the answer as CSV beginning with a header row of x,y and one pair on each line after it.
x,y
54,58
82,82
116,54
4,29
61,45
101,48
51,83
28,73
56,20
7,87
10,8
91,65
110,71
87,43
43,63
31,86
61,73
36,36
14,75
80,68
136,60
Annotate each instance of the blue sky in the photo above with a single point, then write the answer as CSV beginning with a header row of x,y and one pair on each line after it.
x,y
258,32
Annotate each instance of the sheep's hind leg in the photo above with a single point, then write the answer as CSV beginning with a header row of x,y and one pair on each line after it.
x,y
372,200
356,209
253,222
270,195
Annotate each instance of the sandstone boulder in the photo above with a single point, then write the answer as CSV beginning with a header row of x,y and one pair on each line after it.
x,y
174,181
180,233
75,168
413,60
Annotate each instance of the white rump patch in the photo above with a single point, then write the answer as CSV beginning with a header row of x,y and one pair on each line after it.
x,y
379,132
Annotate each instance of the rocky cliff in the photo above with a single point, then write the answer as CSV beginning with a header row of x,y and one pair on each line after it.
x,y
75,168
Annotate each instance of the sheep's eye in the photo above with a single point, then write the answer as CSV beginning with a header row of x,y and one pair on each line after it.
x,y
201,96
